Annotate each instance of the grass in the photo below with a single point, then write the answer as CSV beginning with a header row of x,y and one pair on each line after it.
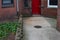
x,y
8,27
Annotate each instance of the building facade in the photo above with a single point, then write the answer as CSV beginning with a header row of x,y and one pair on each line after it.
x,y
41,7
12,8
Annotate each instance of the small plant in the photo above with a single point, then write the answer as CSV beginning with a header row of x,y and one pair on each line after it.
x,y
8,27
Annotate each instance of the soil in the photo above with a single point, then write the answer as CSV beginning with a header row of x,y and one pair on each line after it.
x,y
11,37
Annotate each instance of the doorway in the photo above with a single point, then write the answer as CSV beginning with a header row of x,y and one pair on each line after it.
x,y
36,9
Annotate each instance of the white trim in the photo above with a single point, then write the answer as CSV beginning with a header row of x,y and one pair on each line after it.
x,y
51,6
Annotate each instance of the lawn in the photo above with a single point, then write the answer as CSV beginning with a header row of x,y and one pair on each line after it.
x,y
8,27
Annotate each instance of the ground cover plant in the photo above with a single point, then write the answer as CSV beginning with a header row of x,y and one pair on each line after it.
x,y
8,27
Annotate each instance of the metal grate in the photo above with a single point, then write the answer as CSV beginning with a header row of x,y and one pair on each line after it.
x,y
37,26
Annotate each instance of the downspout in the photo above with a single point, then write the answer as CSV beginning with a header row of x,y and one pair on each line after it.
x,y
17,6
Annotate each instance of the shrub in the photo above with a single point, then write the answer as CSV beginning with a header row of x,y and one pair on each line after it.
x,y
8,27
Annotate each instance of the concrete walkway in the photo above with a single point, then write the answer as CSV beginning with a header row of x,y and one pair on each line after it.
x,y
47,32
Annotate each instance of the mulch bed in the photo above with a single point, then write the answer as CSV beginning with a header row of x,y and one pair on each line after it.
x,y
10,37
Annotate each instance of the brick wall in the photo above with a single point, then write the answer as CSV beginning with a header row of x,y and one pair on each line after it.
x,y
58,16
7,12
21,5
50,12
25,10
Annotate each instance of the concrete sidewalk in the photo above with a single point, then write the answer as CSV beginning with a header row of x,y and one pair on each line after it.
x,y
47,32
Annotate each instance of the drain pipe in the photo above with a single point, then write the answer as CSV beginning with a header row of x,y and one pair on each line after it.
x,y
17,6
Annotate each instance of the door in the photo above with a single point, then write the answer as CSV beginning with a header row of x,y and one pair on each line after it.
x,y
36,7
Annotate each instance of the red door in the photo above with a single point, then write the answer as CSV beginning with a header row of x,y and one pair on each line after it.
x,y
36,6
